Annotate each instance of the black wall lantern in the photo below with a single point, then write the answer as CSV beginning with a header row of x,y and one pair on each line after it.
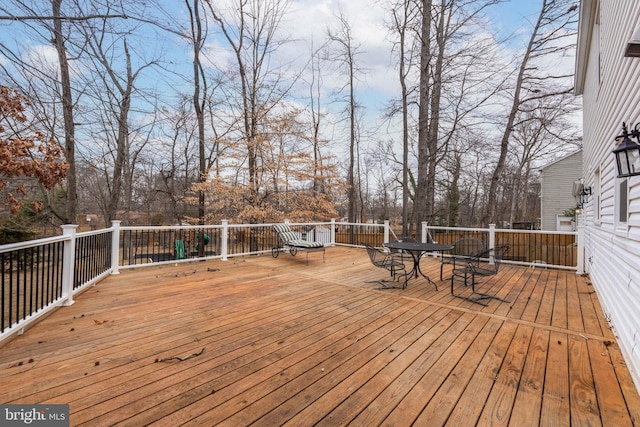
x,y
628,152
581,194
584,197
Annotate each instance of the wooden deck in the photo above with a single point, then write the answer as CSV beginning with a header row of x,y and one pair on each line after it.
x,y
276,341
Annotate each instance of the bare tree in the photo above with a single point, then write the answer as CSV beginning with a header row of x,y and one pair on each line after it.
x,y
550,35
345,54
250,29
55,23
451,60
402,24
537,138
116,90
198,35
317,115
67,111
178,168
420,208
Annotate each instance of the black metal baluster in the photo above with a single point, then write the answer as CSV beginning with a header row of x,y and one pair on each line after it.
x,y
11,255
2,297
31,284
22,272
59,271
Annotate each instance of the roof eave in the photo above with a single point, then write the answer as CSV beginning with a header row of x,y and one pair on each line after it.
x,y
588,10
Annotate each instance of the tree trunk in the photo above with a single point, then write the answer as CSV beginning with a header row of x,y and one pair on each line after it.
x,y
434,122
401,23
490,215
67,113
454,191
199,95
352,143
121,143
420,201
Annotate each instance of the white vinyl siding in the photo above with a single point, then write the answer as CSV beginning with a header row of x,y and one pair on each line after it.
x,y
610,85
556,195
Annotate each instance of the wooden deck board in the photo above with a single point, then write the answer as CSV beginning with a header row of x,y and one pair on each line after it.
x,y
419,371
307,362
559,312
498,407
583,401
526,407
439,408
363,395
574,309
283,342
556,395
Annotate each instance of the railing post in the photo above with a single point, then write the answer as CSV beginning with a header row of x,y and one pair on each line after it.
x,y
492,240
580,255
225,238
68,263
423,232
115,246
386,231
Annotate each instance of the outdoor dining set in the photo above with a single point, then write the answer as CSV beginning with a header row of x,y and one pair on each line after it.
x,y
469,258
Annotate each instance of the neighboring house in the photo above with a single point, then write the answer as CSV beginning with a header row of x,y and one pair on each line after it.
x,y
610,85
556,192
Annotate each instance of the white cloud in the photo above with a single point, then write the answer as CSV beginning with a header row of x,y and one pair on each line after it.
x,y
44,58
309,20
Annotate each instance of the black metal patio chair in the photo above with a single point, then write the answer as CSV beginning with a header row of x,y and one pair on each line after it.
x,y
390,261
479,266
462,248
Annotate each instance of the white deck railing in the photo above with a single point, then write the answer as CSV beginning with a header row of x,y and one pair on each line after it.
x,y
40,275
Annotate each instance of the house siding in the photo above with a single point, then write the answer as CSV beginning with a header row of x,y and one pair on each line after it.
x,y
611,96
557,186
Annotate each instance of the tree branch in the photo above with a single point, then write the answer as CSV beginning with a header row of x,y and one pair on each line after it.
x,y
64,18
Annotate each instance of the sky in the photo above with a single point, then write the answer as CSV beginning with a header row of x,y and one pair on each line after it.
x,y
307,22
310,18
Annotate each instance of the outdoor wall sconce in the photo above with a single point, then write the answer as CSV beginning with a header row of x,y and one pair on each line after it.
x,y
581,193
584,196
628,152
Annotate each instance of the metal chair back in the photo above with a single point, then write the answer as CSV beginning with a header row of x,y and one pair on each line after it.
x,y
484,264
390,262
462,248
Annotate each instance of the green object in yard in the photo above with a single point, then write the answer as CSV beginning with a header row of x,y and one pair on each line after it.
x,y
179,249
205,238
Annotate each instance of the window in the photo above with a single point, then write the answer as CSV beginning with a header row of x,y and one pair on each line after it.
x,y
622,193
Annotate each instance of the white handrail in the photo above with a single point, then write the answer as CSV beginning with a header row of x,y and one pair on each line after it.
x,y
69,238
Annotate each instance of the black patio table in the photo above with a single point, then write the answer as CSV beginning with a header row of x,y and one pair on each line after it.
x,y
417,250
